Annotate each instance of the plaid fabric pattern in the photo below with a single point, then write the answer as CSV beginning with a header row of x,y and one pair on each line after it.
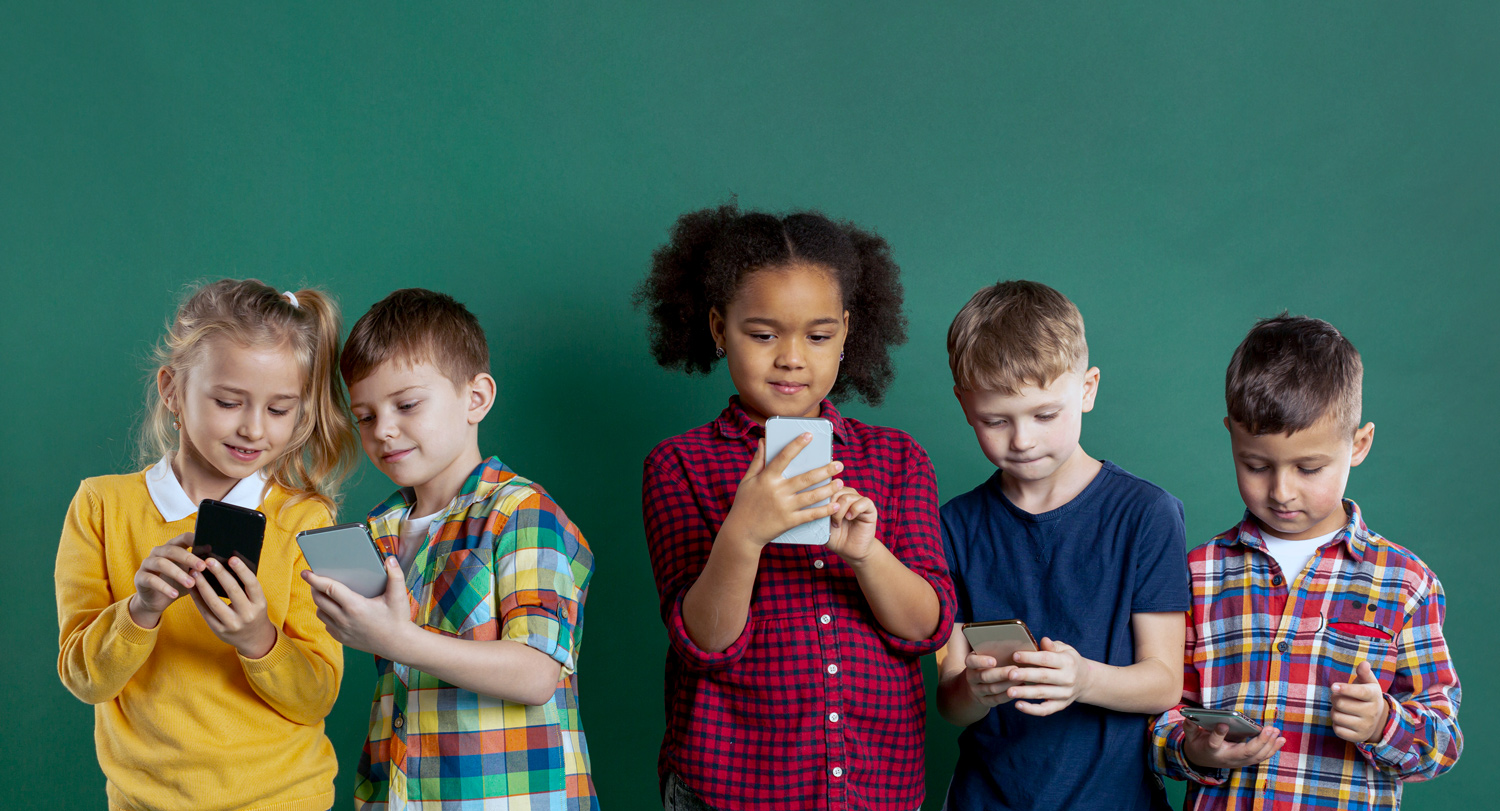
x,y
502,562
815,705
1272,649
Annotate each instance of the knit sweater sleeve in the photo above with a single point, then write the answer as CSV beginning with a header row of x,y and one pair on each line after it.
x,y
101,647
299,676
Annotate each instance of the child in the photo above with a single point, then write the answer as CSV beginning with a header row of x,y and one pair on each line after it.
x,y
1305,620
199,703
1089,556
793,677
477,635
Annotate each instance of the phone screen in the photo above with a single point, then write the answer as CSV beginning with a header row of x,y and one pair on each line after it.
x,y
223,531
780,431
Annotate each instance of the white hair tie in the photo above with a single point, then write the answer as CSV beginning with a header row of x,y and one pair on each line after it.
x,y
292,297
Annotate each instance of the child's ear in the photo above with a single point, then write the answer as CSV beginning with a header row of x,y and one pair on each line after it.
x,y
481,397
1090,388
1363,439
716,326
166,387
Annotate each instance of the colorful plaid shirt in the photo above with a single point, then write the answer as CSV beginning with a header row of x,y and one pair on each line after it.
x,y
1271,649
502,562
815,705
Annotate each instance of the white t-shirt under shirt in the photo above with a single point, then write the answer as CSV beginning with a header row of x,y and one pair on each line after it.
x,y
1291,556
413,537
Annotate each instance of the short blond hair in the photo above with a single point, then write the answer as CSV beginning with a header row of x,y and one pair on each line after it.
x,y
1013,335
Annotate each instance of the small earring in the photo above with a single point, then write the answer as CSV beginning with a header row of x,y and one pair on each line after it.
x,y
176,422
841,356
718,351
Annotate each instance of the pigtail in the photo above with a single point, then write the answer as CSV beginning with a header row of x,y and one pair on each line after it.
x,y
324,447
676,291
876,322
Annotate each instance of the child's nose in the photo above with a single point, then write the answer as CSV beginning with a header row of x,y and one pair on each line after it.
x,y
1281,488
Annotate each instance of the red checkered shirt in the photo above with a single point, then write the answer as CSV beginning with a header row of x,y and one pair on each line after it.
x,y
815,705
1271,649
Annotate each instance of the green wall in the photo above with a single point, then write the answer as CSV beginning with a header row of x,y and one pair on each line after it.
x,y
1177,169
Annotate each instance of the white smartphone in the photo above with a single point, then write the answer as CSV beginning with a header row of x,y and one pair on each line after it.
x,y
348,554
1241,728
780,431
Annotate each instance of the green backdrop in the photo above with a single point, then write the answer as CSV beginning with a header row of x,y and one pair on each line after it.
x,y
1177,169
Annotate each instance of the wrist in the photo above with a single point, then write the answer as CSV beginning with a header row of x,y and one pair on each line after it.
x,y
1378,732
260,643
140,614
869,559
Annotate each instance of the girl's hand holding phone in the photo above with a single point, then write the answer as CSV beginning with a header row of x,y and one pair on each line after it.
x,y
766,505
851,534
163,577
242,622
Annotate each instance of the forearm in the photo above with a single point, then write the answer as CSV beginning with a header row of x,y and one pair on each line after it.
x,y
98,656
1148,686
298,681
903,602
957,702
717,605
501,668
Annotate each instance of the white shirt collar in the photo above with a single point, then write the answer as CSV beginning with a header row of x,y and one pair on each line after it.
x,y
173,502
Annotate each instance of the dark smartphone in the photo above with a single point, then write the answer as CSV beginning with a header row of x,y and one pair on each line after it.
x,y
223,531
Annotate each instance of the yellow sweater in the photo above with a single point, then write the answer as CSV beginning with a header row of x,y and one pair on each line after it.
x,y
181,720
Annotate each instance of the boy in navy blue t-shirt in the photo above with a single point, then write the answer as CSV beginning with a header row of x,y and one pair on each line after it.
x,y
1092,558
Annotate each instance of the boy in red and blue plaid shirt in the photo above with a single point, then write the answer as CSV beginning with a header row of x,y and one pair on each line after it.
x,y
477,635
1306,621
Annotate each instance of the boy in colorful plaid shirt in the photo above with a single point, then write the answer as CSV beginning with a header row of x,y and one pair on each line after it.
x,y
1317,628
478,631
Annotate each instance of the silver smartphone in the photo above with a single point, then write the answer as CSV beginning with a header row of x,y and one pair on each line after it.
x,y
348,554
780,431
1241,728
999,639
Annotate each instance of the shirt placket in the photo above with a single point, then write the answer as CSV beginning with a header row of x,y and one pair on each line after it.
x,y
834,678
1284,606
396,793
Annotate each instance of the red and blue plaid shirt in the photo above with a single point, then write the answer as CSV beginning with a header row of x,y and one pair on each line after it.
x,y
1272,648
815,705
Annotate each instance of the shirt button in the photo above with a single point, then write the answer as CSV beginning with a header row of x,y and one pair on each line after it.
x,y
832,669
817,564
1282,646
838,771
833,718
1356,603
399,722
1276,581
825,619
1370,607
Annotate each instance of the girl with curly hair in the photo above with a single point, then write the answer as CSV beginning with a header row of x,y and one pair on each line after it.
x,y
793,676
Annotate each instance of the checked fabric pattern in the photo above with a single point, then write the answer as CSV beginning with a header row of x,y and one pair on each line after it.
x,y
502,562
815,705
1272,649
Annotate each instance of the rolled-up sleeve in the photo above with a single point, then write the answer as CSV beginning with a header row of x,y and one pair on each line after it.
x,y
909,528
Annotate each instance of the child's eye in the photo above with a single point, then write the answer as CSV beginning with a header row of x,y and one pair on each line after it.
x,y
223,404
1046,417
761,336
994,423
1254,469
409,406
280,412
818,339
1310,471
360,419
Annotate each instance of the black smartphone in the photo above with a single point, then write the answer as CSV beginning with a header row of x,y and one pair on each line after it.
x,y
224,531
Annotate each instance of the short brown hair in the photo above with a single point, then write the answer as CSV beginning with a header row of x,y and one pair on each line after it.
x,y
1291,371
415,325
1015,334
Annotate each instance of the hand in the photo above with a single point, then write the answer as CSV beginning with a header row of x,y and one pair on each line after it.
x,y
1207,747
851,533
1359,708
371,624
1057,675
766,505
987,679
157,581
242,622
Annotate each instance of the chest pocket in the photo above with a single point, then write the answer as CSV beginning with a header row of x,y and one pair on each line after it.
x,y
461,594
1355,631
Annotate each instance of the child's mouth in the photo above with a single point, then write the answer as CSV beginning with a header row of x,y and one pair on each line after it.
x,y
396,456
788,388
243,454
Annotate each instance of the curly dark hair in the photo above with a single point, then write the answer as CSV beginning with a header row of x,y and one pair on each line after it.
x,y
711,253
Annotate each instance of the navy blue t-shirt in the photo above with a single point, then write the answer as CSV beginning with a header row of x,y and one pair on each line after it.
x,y
1074,574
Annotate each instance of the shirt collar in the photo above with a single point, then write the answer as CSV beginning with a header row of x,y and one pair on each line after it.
x,y
385,519
734,422
173,502
1355,535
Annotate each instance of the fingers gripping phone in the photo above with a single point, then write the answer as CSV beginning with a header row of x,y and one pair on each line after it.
x,y
1241,728
780,431
999,639
223,531
348,554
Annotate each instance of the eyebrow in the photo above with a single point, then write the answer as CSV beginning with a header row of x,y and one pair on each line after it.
x,y
1036,410
1316,457
771,322
243,393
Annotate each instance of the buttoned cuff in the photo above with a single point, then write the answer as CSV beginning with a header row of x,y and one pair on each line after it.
x,y
1178,759
1396,739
